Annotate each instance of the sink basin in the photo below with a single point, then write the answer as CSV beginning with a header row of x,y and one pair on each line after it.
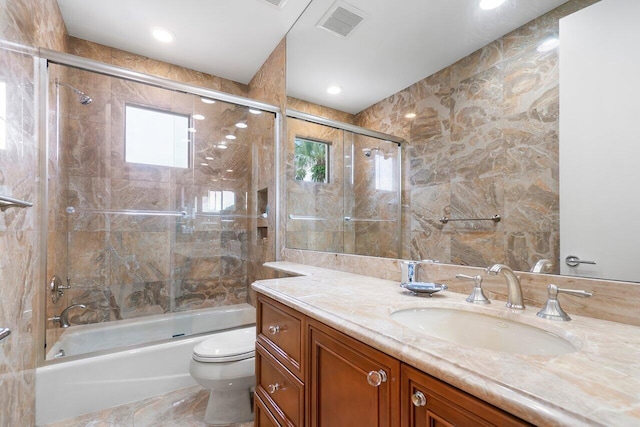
x,y
480,330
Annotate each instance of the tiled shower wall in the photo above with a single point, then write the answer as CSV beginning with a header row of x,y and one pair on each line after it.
x,y
21,229
484,142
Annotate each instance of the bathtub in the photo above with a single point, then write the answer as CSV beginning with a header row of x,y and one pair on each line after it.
x,y
98,373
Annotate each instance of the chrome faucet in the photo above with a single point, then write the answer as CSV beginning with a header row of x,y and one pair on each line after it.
x,y
542,266
63,319
514,291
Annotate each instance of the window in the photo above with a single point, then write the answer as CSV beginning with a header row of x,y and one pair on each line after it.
x,y
384,172
156,137
3,115
311,161
219,201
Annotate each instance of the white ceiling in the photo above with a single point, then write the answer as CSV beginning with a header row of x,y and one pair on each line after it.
x,y
226,38
400,42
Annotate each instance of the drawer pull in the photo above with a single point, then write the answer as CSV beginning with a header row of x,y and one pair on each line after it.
x,y
275,329
418,399
375,378
272,388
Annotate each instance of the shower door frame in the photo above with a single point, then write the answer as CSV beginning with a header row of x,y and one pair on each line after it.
x,y
44,57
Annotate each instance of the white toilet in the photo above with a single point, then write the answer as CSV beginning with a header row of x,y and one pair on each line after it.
x,y
225,364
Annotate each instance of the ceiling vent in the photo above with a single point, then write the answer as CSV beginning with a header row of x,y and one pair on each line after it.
x,y
341,19
277,3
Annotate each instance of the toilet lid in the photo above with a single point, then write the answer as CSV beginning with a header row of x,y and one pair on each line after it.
x,y
227,346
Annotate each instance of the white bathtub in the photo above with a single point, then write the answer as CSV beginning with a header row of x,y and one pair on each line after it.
x,y
76,385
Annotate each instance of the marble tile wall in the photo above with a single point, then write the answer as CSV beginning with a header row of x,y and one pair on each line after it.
x,y
484,142
268,85
29,23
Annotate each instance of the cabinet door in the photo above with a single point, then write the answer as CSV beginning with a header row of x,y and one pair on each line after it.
x,y
349,383
429,402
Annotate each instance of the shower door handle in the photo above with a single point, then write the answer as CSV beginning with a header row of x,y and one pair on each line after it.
x,y
4,332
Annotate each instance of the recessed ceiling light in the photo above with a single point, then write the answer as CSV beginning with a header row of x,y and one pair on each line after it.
x,y
548,44
162,34
410,115
334,90
229,170
198,117
207,101
241,125
208,158
222,146
204,164
230,136
490,4
254,111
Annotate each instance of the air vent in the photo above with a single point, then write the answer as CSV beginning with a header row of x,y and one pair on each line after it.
x,y
341,19
277,3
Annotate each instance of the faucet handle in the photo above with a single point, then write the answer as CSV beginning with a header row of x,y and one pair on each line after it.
x,y
477,295
552,309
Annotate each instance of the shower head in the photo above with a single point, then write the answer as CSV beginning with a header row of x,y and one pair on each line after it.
x,y
83,98
368,151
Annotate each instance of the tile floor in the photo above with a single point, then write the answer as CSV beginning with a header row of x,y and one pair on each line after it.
x,y
180,408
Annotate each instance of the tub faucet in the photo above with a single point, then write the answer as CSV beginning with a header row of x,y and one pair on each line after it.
x,y
63,319
514,291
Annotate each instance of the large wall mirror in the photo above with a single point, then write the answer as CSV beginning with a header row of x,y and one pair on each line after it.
x,y
478,109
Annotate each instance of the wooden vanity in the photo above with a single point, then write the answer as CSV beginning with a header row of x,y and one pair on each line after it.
x,y
309,374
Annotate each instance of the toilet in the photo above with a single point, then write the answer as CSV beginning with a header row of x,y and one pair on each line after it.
x,y
225,364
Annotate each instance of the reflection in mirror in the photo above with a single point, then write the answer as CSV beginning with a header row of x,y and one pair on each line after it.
x,y
482,139
355,209
311,160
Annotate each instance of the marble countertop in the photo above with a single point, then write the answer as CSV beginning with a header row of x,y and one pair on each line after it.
x,y
599,384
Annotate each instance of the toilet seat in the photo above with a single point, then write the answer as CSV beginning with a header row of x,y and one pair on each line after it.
x,y
229,346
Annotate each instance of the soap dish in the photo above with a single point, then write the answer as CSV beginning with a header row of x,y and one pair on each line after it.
x,y
424,288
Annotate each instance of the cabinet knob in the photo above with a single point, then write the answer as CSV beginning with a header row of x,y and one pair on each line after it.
x,y
418,399
375,378
274,329
272,388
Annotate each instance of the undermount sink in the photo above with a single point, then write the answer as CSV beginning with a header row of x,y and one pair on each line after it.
x,y
484,331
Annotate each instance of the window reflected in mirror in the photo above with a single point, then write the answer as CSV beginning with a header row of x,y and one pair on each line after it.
x,y
311,160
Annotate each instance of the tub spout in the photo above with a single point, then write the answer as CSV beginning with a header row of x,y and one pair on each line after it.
x,y
514,290
63,319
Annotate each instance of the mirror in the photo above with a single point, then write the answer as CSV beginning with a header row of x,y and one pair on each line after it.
x,y
483,141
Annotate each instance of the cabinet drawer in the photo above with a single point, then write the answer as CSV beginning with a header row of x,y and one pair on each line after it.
x,y
263,417
279,389
279,331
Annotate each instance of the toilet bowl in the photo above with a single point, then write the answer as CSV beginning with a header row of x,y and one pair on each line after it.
x,y
225,364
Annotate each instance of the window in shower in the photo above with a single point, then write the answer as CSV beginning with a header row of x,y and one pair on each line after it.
x,y
3,115
311,160
218,201
156,137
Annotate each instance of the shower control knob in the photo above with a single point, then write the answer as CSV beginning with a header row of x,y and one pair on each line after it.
x,y
272,388
375,378
418,399
274,329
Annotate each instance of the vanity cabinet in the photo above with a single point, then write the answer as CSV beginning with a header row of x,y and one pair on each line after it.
x,y
429,402
309,374
349,383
